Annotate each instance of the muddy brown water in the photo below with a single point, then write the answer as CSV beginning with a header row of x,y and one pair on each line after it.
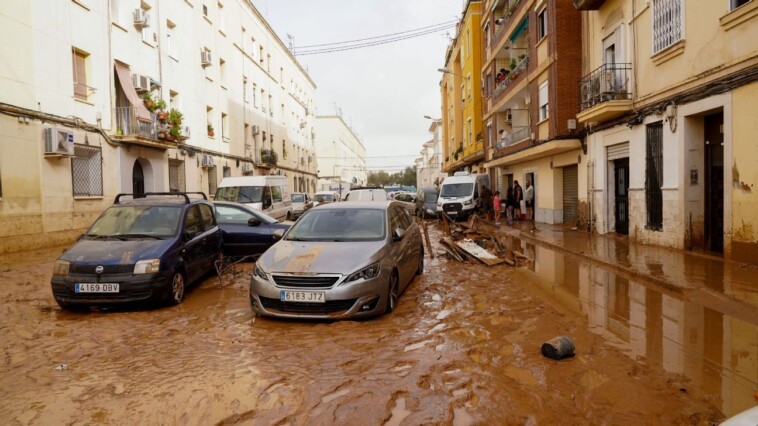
x,y
462,348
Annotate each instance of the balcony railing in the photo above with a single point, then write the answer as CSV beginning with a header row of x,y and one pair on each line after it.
x,y
512,75
518,135
607,83
127,123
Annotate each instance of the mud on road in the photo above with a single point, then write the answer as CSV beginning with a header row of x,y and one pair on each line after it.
x,y
462,348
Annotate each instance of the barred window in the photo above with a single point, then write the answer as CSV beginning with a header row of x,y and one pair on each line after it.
x,y
176,176
667,23
87,171
654,175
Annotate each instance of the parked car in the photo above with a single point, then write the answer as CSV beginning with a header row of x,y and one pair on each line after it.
x,y
426,202
408,200
461,194
326,197
139,249
301,202
367,194
269,194
339,260
245,231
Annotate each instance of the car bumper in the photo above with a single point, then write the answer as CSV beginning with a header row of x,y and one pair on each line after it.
x,y
132,288
354,300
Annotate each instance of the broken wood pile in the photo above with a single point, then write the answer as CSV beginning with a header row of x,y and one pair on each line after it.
x,y
479,241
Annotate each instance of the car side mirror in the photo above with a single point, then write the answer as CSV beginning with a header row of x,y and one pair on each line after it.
x,y
278,234
253,221
398,234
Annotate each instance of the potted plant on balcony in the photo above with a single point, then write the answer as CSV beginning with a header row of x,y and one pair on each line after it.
x,y
174,120
147,98
269,157
210,130
160,106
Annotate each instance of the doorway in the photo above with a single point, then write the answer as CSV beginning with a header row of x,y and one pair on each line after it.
x,y
138,180
621,189
570,194
714,182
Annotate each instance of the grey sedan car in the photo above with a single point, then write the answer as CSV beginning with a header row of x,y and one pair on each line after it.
x,y
340,260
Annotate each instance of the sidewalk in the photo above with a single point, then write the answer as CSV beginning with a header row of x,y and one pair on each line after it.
x,y
699,278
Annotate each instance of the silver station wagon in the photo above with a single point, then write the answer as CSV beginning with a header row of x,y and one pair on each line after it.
x,y
340,260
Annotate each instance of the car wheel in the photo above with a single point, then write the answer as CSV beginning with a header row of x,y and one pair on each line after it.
x,y
393,292
177,289
420,268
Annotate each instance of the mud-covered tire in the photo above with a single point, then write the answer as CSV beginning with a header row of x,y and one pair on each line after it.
x,y
420,267
177,289
393,293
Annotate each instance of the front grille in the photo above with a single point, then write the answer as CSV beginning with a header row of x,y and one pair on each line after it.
x,y
305,281
329,307
449,207
107,269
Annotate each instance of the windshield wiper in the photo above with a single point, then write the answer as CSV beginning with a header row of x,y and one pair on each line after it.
x,y
97,236
140,236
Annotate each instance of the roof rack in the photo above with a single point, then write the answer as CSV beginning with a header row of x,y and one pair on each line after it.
x,y
151,194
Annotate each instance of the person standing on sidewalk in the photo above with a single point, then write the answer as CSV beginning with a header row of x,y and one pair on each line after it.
x,y
487,202
496,206
518,195
529,199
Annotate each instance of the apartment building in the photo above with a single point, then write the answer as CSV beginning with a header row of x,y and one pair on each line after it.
x,y
668,100
341,154
100,98
532,58
463,140
429,162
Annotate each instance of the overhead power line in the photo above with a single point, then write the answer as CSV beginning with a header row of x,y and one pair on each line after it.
x,y
369,44
442,24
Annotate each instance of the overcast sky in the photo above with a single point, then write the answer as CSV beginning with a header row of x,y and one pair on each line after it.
x,y
383,91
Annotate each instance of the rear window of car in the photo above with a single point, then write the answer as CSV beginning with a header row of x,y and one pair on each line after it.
x,y
207,216
298,198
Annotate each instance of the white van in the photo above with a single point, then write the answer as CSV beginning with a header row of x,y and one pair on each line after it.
x,y
269,194
461,194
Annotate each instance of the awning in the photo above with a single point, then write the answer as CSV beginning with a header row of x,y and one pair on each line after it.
x,y
125,80
519,29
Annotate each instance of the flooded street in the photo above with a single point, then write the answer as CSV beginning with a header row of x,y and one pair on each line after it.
x,y
463,347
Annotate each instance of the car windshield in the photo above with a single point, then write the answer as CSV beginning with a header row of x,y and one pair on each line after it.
x,y
240,194
339,225
457,190
327,198
430,197
298,198
239,215
136,222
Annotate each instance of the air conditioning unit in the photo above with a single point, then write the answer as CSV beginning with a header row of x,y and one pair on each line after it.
x,y
59,142
247,168
509,118
256,129
141,82
185,131
205,58
207,161
140,18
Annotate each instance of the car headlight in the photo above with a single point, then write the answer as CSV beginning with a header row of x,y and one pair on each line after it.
x,y
366,273
467,203
149,266
258,272
61,267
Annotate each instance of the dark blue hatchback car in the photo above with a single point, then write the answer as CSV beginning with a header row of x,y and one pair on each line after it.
x,y
140,249
245,230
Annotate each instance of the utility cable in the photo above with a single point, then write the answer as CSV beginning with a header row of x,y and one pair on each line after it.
x,y
443,24
370,44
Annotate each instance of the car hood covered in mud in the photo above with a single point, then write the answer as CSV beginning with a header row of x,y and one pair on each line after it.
x,y
320,257
112,252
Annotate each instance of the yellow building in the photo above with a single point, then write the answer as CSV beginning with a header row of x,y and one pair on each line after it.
x,y
668,102
463,139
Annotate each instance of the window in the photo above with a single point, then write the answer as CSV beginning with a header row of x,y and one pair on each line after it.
x,y
468,43
276,194
487,34
87,171
654,175
173,99
147,35
469,132
176,176
260,52
271,105
209,118
244,89
207,216
220,18
170,34
79,60
268,64
227,171
245,44
543,98
263,99
667,23
225,127
737,3
222,72
255,95
468,86
192,221
116,11
212,180
542,24
205,10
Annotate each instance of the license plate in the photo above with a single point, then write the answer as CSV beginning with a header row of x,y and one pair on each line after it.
x,y
302,296
96,288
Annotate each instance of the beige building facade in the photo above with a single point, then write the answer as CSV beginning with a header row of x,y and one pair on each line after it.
x,y
76,127
668,105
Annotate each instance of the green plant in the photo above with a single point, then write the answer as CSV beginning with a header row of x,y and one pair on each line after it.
x,y
175,120
210,129
512,64
269,156
160,105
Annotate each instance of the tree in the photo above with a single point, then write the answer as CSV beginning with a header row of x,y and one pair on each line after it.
x,y
379,179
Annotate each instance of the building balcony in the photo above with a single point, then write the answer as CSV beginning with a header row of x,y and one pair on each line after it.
x,y
153,133
529,150
518,134
505,11
605,93
512,78
588,4
266,159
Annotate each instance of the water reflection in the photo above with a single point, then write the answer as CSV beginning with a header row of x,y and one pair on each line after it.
x,y
709,334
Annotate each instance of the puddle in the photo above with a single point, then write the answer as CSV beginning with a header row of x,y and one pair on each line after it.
x,y
415,346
